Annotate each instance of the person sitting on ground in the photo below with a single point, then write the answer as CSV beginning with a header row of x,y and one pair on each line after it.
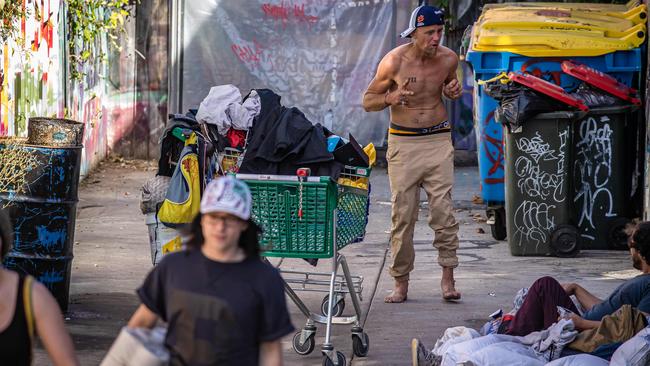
x,y
222,304
27,309
539,309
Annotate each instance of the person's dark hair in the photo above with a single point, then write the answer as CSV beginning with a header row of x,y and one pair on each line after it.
x,y
6,234
639,238
249,240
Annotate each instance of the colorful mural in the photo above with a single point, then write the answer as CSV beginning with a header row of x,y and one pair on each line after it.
x,y
111,103
31,71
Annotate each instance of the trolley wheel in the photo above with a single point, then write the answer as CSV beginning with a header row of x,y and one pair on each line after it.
x,y
357,344
498,229
337,309
616,237
565,241
306,348
340,356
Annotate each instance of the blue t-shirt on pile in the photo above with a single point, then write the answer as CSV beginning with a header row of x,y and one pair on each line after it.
x,y
635,292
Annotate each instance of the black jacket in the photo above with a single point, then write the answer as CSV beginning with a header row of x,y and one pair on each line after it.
x,y
283,140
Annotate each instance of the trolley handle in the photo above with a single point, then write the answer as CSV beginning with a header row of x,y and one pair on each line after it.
x,y
281,178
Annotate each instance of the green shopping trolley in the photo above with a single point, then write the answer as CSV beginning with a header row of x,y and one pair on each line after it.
x,y
314,217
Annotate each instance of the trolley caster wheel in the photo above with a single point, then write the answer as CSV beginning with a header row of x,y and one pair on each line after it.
x,y
565,241
341,359
616,237
306,348
498,228
337,310
358,344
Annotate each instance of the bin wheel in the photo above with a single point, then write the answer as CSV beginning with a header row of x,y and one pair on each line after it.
x,y
565,241
340,356
337,309
357,344
616,237
306,348
499,227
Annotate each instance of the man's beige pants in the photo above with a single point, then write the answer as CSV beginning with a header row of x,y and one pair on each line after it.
x,y
427,162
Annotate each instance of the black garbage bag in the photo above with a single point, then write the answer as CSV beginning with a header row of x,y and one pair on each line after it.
x,y
518,103
594,97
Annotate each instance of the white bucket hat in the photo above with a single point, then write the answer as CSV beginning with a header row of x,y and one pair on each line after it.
x,y
228,195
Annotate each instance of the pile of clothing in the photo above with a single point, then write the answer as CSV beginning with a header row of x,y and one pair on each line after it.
x,y
622,338
254,134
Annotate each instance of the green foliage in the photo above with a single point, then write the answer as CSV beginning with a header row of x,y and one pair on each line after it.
x,y
87,22
11,11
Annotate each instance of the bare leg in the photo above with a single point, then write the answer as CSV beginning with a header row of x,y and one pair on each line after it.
x,y
448,285
399,294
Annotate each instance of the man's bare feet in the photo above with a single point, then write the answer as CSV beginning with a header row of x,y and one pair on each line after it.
x,y
447,285
399,294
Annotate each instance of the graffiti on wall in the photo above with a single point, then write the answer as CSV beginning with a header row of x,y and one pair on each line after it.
x,y
31,69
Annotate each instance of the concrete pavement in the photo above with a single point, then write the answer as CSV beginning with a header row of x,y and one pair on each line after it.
x,y
112,258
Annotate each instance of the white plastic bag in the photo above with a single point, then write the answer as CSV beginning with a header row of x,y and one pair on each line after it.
x,y
461,352
138,347
452,336
579,360
634,352
505,353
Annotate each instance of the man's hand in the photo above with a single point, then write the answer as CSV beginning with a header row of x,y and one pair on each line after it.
x,y
399,96
452,90
569,288
581,324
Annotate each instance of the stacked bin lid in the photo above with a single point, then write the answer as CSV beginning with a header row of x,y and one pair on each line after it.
x,y
559,29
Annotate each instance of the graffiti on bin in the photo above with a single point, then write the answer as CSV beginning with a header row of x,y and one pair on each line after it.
x,y
592,170
539,176
494,150
533,181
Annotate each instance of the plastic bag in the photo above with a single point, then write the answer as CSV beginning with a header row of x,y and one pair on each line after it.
x,y
453,336
505,353
595,98
634,352
153,193
518,103
461,352
579,360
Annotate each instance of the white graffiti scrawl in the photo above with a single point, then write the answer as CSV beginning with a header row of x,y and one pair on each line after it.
x,y
539,176
592,169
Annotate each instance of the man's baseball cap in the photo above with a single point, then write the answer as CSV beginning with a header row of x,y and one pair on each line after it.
x,y
228,195
423,16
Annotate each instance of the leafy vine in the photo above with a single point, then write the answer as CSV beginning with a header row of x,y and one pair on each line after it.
x,y
87,22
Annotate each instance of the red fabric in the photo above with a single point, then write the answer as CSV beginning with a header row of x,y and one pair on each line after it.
x,y
236,138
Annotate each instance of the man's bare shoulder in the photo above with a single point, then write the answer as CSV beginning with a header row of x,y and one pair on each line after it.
x,y
393,59
448,54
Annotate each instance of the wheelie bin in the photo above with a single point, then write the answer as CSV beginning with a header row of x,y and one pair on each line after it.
x,y
500,43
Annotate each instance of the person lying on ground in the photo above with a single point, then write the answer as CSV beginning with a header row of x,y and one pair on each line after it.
x,y
539,309
28,309
222,304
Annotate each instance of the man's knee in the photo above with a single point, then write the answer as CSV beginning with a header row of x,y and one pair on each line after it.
x,y
545,282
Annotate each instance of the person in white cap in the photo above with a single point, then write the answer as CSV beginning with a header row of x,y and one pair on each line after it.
x,y
411,80
221,303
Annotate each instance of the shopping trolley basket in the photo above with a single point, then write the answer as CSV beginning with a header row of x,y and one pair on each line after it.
x,y
314,217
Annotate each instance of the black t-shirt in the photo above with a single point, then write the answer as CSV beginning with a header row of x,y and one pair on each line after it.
x,y
216,313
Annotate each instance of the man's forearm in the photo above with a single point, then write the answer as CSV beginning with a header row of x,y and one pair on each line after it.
x,y
584,324
373,102
586,299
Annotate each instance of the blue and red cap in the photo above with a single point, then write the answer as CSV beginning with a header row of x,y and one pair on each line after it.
x,y
423,16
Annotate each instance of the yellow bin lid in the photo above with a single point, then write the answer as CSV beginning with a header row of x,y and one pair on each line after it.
x,y
537,31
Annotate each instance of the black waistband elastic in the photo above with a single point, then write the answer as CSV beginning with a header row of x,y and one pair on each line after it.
x,y
398,130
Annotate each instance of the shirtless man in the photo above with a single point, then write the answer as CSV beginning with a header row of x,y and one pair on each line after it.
x,y
411,80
